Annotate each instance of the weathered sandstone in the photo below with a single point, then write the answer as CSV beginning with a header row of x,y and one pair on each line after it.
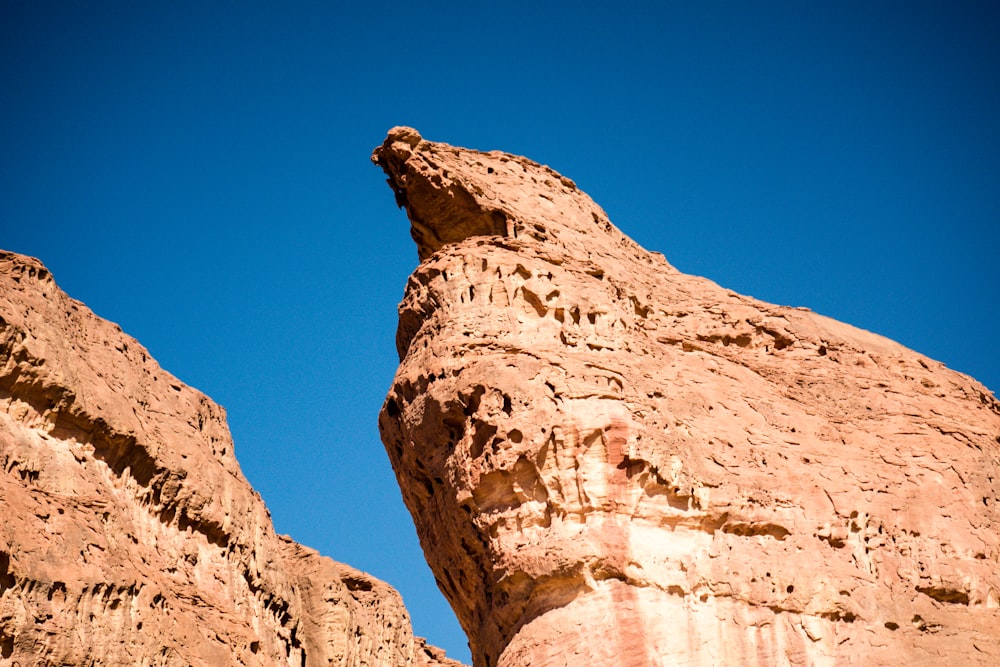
x,y
613,463
129,536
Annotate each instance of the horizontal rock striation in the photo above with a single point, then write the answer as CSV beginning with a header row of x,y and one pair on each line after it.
x,y
612,463
129,534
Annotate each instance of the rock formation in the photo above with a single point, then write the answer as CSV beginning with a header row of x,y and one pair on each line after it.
x,y
613,463
130,536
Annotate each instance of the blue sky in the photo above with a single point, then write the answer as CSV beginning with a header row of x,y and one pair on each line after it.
x,y
198,172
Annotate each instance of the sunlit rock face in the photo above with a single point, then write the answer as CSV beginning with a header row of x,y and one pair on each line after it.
x,y
612,463
128,534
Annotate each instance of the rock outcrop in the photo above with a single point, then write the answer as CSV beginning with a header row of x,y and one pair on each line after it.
x,y
613,463
130,536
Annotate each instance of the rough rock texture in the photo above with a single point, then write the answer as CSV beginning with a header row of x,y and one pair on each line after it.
x,y
130,536
613,463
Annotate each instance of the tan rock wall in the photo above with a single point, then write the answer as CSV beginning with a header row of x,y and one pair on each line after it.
x,y
613,462
130,536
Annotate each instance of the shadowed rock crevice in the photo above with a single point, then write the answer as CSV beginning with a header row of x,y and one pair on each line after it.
x,y
612,462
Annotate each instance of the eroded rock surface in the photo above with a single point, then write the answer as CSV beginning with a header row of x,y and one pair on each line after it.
x,y
129,536
613,463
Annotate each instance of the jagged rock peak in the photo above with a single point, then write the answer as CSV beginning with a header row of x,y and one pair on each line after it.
x,y
129,535
610,462
451,194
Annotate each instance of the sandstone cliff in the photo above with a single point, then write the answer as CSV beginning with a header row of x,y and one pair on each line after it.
x,y
613,463
129,536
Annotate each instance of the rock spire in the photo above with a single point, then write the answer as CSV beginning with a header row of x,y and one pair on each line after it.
x,y
610,462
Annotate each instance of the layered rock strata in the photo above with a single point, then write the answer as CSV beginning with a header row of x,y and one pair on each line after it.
x,y
610,462
130,536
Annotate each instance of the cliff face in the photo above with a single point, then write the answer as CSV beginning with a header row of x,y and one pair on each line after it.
x,y
613,463
130,536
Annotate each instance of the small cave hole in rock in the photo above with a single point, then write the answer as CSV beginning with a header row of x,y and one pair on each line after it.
x,y
356,584
789,589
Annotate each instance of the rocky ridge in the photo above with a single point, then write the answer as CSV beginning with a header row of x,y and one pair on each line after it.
x,y
613,462
129,534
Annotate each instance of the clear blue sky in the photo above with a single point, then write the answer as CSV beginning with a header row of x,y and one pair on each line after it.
x,y
198,172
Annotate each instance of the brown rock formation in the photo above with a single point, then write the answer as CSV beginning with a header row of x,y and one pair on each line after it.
x,y
130,536
613,463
